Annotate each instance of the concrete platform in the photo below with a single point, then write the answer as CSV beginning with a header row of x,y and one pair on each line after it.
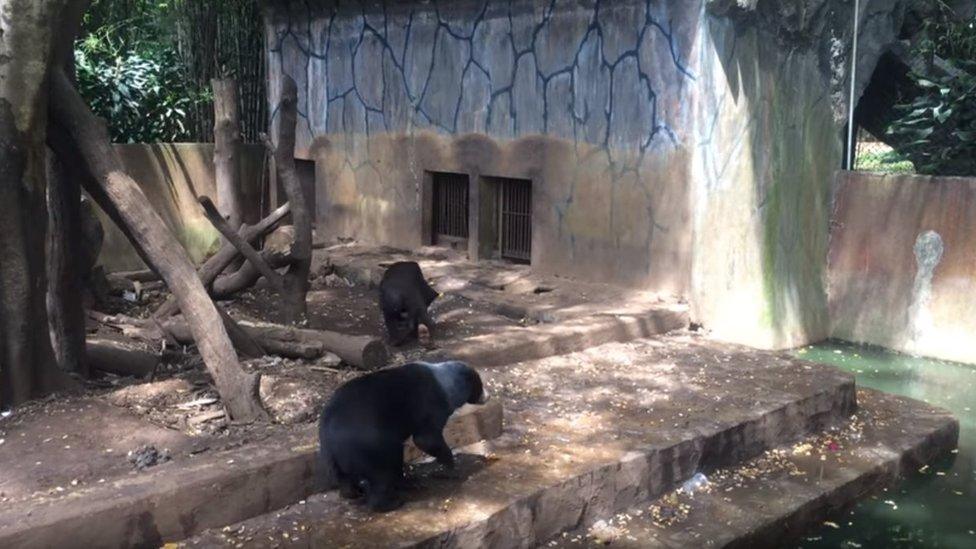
x,y
554,315
772,500
587,435
178,499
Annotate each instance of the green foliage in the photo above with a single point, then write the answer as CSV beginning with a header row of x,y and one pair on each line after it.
x,y
884,162
938,128
935,127
139,88
132,76
146,65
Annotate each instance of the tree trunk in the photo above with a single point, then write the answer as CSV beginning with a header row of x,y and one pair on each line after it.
x,y
212,268
243,246
296,278
227,146
66,263
238,389
27,32
248,275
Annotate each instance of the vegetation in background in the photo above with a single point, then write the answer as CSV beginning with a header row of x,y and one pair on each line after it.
x,y
146,65
938,125
884,161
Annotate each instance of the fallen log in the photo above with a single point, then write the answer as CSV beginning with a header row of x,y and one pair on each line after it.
x,y
212,268
362,352
247,275
144,275
116,190
151,329
118,356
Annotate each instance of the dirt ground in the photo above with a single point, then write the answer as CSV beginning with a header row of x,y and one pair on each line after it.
x,y
88,437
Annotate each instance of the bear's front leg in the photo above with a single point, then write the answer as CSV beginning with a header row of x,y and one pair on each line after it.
x,y
432,442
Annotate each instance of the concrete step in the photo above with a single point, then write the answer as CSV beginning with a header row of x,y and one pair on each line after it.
x,y
773,499
587,435
569,316
175,500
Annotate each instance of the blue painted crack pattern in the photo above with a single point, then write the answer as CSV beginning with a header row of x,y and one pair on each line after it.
x,y
592,72
611,76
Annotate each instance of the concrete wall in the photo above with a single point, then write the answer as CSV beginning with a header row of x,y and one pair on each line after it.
x,y
684,147
173,176
768,146
903,263
585,98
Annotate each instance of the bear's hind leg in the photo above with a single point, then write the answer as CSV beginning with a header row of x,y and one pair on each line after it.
x,y
381,494
383,481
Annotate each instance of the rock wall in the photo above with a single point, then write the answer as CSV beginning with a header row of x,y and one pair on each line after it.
x,y
684,147
174,176
902,267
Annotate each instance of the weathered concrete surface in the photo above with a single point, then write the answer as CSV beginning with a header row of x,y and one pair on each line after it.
x,y
560,315
583,98
173,176
771,500
176,500
902,266
684,147
769,146
587,434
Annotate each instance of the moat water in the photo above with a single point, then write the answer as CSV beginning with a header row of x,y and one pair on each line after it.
x,y
935,507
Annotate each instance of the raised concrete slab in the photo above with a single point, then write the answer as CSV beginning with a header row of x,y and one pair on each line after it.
x,y
176,500
587,435
771,500
563,315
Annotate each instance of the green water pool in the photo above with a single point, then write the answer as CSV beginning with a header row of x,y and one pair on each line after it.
x,y
935,507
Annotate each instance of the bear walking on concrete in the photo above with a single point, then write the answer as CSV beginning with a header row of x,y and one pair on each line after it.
x,y
364,426
404,299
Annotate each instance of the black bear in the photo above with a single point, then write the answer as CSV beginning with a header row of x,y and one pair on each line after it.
x,y
404,298
366,422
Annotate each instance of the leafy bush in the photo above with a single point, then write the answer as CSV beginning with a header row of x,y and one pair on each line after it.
x,y
938,127
139,87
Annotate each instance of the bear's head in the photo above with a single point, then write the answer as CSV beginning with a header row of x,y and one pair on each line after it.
x,y
460,382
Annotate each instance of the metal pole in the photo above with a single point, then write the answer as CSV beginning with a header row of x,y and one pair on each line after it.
x,y
849,161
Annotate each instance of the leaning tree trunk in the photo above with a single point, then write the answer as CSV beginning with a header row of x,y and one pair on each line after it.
x,y
227,146
26,35
296,278
114,189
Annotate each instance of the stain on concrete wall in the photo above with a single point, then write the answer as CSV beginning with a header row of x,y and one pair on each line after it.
x,y
902,265
174,176
767,149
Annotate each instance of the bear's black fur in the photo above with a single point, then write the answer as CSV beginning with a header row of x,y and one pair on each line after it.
x,y
364,426
404,298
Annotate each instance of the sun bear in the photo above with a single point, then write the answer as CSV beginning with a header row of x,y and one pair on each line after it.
x,y
404,299
366,422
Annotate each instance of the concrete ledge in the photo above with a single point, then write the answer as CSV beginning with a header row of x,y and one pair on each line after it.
x,y
589,434
785,493
176,500
511,346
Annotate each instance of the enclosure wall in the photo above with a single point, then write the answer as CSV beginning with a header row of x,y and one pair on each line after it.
x,y
587,99
173,176
903,265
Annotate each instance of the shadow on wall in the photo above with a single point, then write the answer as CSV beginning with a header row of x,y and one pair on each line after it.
x,y
591,219
768,148
902,272
173,176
